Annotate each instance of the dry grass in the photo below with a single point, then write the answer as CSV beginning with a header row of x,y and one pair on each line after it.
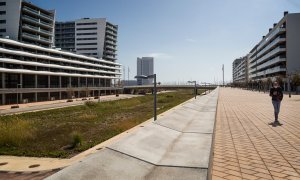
x,y
47,133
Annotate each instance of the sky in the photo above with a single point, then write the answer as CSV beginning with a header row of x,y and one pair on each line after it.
x,y
189,39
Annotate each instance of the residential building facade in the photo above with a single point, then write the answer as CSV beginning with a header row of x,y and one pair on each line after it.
x,y
277,54
33,73
26,22
145,66
94,37
240,70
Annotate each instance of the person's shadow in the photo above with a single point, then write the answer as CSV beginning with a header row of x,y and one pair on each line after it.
x,y
275,124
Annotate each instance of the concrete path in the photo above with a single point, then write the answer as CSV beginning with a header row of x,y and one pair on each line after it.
x,y
39,106
246,147
176,146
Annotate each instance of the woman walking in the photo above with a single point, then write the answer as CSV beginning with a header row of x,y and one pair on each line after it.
x,y
277,96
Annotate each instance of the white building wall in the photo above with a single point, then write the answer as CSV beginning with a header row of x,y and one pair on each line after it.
x,y
12,17
97,36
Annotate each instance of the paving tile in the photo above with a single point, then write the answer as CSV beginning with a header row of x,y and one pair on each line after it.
x,y
246,146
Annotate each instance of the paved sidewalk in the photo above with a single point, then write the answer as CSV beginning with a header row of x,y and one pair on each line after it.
x,y
176,146
246,147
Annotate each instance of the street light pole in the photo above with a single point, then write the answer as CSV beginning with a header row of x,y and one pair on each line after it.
x,y
154,91
18,93
289,85
195,88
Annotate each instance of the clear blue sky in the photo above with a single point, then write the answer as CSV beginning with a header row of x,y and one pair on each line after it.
x,y
190,39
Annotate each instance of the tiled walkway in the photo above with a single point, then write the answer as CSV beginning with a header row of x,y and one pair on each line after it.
x,y
246,147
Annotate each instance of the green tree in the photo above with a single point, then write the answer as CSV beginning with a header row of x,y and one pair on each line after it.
x,y
296,81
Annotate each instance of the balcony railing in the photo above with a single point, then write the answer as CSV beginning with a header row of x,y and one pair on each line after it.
x,y
275,42
271,62
37,29
28,9
271,53
30,18
274,33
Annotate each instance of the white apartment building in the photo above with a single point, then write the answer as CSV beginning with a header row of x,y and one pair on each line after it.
x,y
23,21
94,37
145,66
33,73
277,54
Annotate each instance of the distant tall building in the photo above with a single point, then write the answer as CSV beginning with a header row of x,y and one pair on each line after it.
x,y
145,66
240,70
26,22
92,37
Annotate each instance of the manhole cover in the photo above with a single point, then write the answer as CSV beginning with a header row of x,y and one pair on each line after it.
x,y
4,163
34,166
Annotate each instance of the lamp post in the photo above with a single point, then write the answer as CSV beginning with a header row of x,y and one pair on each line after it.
x,y
195,88
154,91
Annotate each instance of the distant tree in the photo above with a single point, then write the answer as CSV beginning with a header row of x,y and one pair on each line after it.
x,y
269,82
296,81
279,80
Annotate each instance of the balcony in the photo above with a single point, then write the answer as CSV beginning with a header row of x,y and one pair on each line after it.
x,y
111,32
270,54
38,13
110,42
35,37
271,62
37,21
111,37
270,37
276,69
271,45
36,29
110,47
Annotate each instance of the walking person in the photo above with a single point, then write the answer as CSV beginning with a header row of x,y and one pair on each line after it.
x,y
277,96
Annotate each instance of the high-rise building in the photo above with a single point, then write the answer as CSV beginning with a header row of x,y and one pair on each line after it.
x,y
94,37
145,66
23,21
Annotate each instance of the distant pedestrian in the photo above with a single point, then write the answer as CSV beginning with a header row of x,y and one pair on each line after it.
x,y
277,96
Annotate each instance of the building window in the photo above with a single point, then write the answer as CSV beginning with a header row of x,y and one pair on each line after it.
x,y
2,12
81,29
2,3
80,24
2,30
80,34
2,21
78,49
79,39
81,44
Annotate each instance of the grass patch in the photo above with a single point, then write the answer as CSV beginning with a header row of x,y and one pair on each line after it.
x,y
48,133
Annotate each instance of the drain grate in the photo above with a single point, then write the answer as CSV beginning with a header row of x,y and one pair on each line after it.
x,y
34,166
3,163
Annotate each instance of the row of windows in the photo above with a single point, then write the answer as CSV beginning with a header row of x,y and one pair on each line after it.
x,y
80,34
2,21
93,28
82,44
79,39
81,24
2,12
86,49
2,3
2,30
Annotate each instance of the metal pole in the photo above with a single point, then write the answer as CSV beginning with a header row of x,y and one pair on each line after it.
x,y
195,90
155,97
